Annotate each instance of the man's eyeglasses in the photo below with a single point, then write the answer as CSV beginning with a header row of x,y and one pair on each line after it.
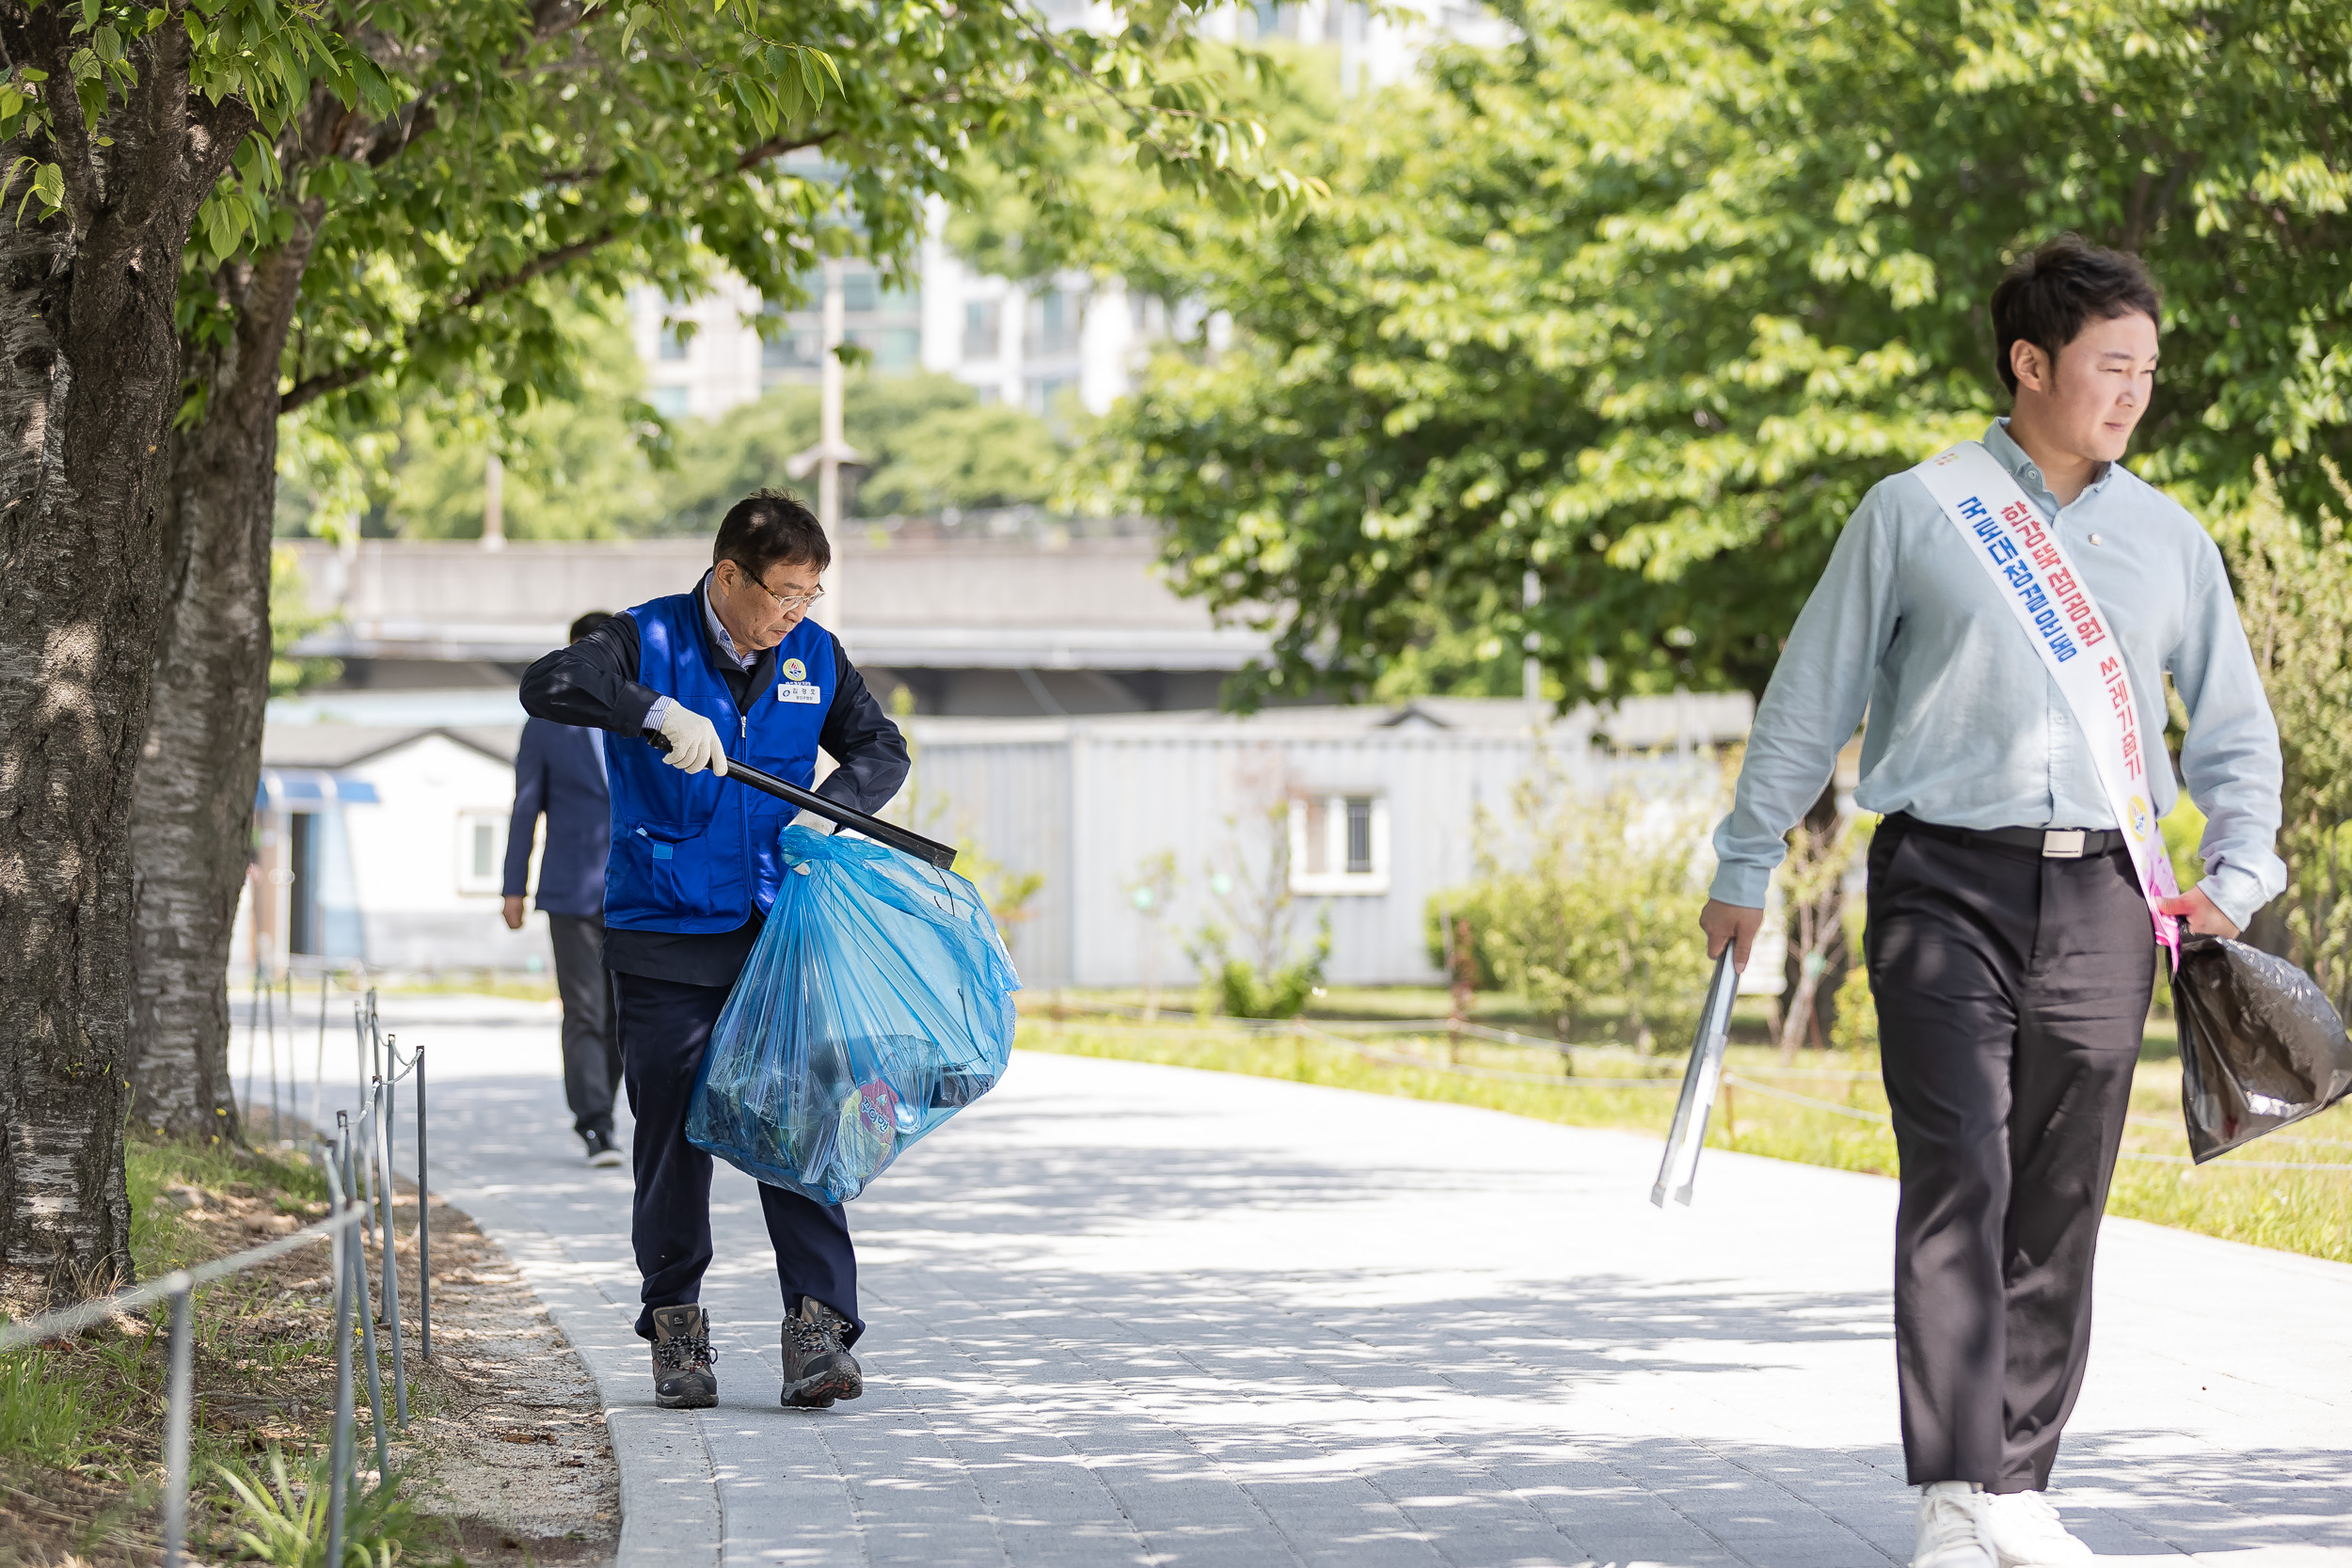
x,y
785,602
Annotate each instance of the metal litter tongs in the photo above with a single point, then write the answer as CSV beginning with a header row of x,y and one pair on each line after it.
x,y
1680,1168
905,840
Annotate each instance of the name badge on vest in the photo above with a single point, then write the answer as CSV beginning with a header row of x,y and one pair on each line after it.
x,y
796,686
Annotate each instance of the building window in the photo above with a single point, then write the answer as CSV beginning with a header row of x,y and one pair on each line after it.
x,y
790,351
981,329
1339,845
481,851
1052,326
670,401
670,345
894,348
860,291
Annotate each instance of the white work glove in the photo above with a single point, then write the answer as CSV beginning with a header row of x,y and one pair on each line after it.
x,y
693,741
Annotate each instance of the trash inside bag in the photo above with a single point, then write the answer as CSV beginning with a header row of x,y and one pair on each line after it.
x,y
2260,1044
876,1003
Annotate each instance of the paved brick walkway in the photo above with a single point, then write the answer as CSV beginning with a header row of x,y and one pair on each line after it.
x,y
1128,1314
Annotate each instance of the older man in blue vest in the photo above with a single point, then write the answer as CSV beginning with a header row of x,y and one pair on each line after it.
x,y
734,666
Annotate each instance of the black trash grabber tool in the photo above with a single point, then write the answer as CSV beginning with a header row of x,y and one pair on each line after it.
x,y
905,840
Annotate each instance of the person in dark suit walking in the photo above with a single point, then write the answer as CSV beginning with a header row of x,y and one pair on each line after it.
x,y
560,771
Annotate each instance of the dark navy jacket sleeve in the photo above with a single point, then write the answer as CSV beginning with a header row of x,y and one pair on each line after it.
x,y
860,737
593,683
531,799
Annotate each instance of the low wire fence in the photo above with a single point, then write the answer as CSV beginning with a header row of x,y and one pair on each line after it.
x,y
357,1164
1754,1079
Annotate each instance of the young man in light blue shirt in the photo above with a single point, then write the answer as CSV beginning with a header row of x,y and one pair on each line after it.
x,y
2011,950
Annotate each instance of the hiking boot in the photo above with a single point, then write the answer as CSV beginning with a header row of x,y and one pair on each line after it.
x,y
603,1152
818,1367
682,1357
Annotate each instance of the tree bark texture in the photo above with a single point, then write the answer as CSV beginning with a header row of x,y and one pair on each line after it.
x,y
192,815
1817,994
90,378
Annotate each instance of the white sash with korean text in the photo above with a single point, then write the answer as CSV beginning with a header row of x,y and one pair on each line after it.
x,y
2025,562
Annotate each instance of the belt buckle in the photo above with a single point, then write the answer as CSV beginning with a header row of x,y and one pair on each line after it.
x,y
2062,844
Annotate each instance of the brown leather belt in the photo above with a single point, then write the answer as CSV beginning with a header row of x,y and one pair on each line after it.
x,y
2057,843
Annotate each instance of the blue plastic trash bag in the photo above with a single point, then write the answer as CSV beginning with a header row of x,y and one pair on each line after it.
x,y
876,1003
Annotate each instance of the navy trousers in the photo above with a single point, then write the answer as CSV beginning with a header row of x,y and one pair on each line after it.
x,y
664,1028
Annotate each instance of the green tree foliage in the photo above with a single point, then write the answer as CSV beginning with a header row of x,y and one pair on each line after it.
x,y
1648,300
290,620
559,150
601,464
583,467
2297,597
928,442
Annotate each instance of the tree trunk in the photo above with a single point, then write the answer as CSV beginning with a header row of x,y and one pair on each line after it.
x,y
90,378
193,814
1820,997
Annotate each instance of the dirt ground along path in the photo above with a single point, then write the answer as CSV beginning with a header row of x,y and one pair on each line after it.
x,y
505,1456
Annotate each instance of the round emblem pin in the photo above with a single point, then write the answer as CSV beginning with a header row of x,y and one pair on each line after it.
x,y
795,671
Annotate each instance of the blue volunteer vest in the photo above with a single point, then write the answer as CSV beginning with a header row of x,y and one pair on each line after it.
x,y
692,852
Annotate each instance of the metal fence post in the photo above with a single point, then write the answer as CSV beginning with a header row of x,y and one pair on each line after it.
x,y
318,1066
340,1458
252,1041
351,1165
272,1016
424,1227
384,1102
176,1425
359,1056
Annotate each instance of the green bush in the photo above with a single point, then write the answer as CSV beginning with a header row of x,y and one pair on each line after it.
x,y
1857,1025
1234,987
1474,904
1604,906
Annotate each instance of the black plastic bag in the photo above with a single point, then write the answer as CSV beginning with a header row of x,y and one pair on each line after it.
x,y
2260,1044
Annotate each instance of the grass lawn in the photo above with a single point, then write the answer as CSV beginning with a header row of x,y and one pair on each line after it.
x,y
2308,1212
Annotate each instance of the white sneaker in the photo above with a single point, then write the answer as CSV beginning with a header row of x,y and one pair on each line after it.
x,y
2025,1532
1951,1534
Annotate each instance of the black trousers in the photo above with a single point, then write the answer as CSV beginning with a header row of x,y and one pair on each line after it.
x,y
2011,993
666,1027
592,1052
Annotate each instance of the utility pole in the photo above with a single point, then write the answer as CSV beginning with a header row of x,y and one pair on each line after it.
x,y
829,445
831,450
494,505
1531,668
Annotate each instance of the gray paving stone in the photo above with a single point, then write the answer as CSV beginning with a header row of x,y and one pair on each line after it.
x,y
1125,1314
